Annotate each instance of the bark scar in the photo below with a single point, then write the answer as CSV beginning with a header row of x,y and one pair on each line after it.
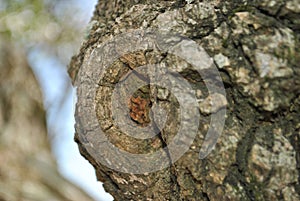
x,y
139,110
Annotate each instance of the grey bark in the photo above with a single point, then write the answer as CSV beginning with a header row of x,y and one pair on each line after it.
x,y
28,170
255,45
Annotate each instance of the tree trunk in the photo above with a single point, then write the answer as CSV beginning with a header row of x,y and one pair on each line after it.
x,y
254,46
28,169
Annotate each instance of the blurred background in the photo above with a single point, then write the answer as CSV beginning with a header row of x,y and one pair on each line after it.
x,y
43,35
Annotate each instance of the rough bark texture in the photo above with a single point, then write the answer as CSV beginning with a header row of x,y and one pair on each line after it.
x,y
28,169
255,45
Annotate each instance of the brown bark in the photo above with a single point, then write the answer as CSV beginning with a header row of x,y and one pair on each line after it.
x,y
28,170
255,45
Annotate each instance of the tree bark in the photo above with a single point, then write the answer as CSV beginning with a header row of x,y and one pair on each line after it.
x,y
254,45
28,169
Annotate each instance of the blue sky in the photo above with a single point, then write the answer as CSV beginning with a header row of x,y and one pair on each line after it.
x,y
53,78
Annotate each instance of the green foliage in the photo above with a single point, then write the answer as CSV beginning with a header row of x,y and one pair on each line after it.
x,y
52,25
